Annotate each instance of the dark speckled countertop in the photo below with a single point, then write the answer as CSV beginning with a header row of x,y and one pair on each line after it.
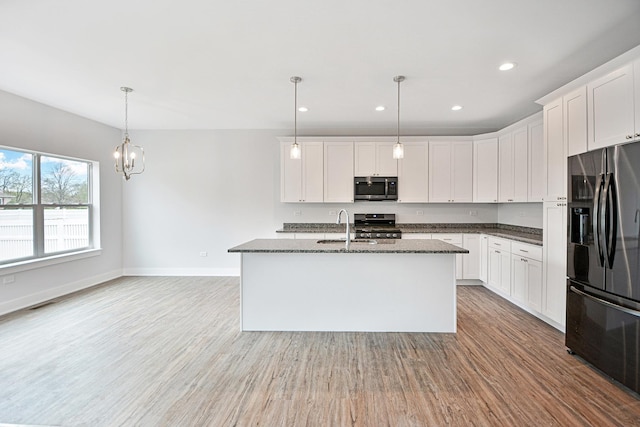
x,y
522,234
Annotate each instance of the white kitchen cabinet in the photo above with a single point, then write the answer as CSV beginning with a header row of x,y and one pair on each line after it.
x,y
575,121
413,175
536,162
554,254
513,166
302,180
555,152
636,99
484,258
526,274
485,170
450,171
471,261
454,239
499,274
375,159
610,109
338,172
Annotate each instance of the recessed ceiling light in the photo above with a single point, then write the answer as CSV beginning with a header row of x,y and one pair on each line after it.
x,y
303,109
380,108
456,107
507,66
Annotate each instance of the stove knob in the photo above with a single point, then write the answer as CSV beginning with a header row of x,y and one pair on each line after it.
x,y
388,235
378,235
394,235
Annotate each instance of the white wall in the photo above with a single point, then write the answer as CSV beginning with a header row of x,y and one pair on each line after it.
x,y
33,126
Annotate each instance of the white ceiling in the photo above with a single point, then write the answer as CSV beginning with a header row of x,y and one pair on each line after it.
x,y
210,64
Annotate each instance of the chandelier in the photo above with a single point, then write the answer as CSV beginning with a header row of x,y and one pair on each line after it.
x,y
129,157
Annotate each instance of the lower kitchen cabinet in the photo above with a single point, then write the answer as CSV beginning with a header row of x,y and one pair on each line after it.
x,y
526,281
454,239
554,218
499,274
471,261
484,258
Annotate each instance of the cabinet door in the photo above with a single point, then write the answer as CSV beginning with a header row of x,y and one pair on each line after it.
x,y
536,162
554,152
534,285
386,165
505,166
439,171
413,177
312,171
365,159
505,272
575,121
554,258
462,172
471,261
636,102
485,170
518,278
610,108
495,257
484,258
338,172
520,141
290,176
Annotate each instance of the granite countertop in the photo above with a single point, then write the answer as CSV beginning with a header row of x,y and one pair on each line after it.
x,y
529,235
419,246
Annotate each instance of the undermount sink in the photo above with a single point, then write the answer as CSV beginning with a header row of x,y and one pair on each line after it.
x,y
366,241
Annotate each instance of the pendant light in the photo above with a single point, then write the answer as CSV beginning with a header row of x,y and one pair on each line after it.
x,y
398,149
295,152
126,153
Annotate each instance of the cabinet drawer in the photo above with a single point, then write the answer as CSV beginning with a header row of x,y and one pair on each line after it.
x,y
453,238
498,243
526,250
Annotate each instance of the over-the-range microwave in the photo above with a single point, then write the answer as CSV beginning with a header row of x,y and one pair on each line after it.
x,y
375,188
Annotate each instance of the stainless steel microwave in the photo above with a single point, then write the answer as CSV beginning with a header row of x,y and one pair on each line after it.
x,y
376,188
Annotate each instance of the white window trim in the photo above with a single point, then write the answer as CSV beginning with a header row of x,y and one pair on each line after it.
x,y
32,264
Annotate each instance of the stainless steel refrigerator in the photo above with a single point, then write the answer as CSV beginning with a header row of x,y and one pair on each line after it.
x,y
603,261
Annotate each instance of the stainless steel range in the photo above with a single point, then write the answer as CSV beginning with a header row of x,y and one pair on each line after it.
x,y
376,226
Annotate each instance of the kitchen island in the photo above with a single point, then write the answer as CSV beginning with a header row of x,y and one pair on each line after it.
x,y
375,286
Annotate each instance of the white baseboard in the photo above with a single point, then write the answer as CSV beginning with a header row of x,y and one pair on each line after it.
x,y
182,272
51,293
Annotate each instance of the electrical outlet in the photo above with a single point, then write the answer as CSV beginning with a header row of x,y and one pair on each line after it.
x,y
473,213
297,213
419,212
8,279
203,253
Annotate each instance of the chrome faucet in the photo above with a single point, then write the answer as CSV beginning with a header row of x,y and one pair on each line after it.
x,y
348,243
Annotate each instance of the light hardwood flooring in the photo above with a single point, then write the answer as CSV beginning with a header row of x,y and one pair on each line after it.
x,y
168,352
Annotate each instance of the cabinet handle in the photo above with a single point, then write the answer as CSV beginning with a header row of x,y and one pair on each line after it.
x,y
561,198
637,135
522,250
629,137
524,260
498,252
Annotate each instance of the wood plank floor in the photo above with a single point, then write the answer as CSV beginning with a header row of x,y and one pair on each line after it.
x,y
167,351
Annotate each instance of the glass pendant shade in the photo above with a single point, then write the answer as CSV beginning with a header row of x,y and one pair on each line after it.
x,y
295,152
398,150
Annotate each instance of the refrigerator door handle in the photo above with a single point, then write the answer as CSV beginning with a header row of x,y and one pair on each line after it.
x,y
605,302
597,220
610,199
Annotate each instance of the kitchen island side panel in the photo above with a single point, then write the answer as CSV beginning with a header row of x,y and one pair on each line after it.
x,y
368,292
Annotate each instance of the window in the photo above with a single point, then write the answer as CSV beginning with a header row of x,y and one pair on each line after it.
x,y
45,205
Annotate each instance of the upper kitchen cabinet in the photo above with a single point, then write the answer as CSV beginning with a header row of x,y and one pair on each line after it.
x,y
413,176
555,152
513,166
301,180
450,171
375,159
610,109
536,162
485,170
575,121
338,172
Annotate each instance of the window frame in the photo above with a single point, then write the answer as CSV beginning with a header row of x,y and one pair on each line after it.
x,y
39,257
